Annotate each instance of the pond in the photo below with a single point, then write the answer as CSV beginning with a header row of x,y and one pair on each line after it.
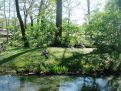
x,y
58,83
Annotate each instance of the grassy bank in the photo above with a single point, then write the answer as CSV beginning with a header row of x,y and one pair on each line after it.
x,y
60,61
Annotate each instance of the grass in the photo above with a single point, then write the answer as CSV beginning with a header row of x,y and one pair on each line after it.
x,y
21,57
61,60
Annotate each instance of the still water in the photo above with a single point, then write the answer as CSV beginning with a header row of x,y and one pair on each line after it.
x,y
59,83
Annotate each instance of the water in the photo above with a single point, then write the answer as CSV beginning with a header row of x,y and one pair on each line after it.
x,y
58,83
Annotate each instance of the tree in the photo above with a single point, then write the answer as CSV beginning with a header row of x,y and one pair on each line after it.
x,y
103,28
115,5
26,43
40,10
119,40
58,33
68,6
27,10
88,11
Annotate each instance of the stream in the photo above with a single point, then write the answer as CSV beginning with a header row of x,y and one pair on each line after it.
x,y
59,83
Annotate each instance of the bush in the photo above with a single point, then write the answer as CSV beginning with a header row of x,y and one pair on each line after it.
x,y
42,34
103,29
73,35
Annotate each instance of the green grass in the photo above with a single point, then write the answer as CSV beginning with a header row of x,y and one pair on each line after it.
x,y
15,58
60,61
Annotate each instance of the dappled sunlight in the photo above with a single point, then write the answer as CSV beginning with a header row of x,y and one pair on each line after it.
x,y
60,45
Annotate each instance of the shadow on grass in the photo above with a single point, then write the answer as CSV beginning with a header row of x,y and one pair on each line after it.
x,y
12,49
73,62
93,61
5,60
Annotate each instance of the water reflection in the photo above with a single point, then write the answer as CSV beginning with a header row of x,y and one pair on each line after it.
x,y
9,83
58,83
91,84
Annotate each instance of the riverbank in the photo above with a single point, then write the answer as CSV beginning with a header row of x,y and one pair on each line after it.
x,y
67,61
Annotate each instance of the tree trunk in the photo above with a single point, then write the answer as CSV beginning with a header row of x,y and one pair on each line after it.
x,y
25,21
88,10
8,20
69,10
26,43
40,10
31,18
58,34
25,14
32,23
5,17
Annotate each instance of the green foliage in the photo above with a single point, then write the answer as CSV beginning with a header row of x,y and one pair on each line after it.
x,y
41,34
16,39
10,27
57,69
104,30
72,35
16,43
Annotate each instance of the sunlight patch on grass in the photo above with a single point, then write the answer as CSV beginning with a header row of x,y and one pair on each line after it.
x,y
22,56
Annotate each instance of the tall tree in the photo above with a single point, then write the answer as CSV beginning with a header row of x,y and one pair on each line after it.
x,y
26,43
69,9
40,10
115,5
25,13
88,10
119,44
58,34
5,17
27,10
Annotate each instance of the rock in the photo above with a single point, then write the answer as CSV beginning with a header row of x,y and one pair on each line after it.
x,y
45,53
